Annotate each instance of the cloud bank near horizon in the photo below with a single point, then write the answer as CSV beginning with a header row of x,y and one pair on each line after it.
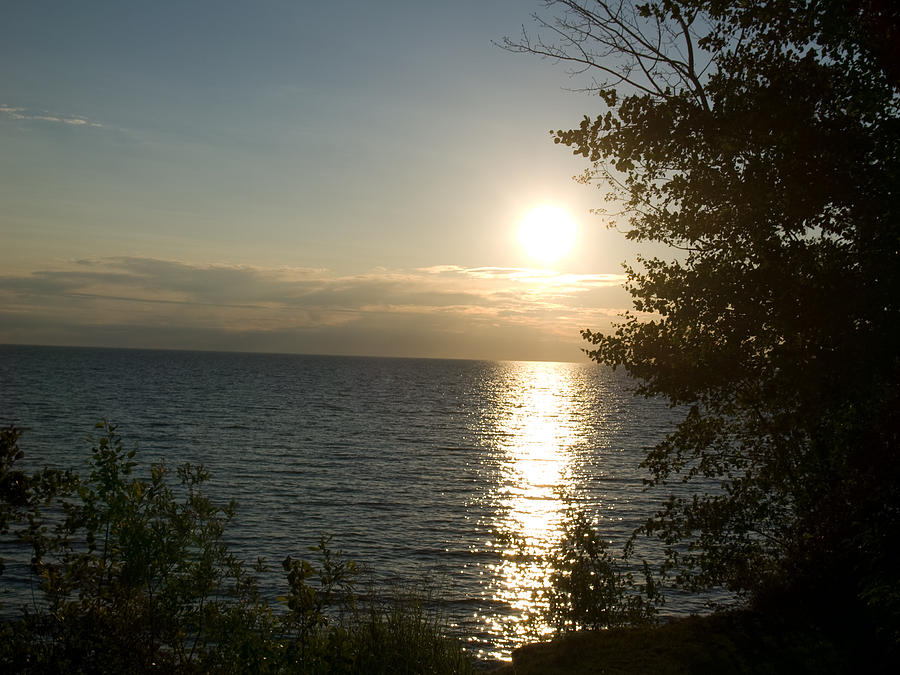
x,y
441,311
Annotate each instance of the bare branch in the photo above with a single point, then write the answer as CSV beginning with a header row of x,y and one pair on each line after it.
x,y
641,50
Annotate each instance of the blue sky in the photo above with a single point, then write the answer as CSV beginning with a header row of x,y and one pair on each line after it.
x,y
290,176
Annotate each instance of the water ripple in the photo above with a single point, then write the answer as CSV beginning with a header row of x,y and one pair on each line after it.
x,y
455,471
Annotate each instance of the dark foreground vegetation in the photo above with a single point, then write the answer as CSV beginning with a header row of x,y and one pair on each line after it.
x,y
758,145
133,575
728,643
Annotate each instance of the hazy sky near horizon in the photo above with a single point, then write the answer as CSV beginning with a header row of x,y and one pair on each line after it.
x,y
284,176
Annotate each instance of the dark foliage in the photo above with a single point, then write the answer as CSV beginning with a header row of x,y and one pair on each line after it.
x,y
589,589
761,141
135,576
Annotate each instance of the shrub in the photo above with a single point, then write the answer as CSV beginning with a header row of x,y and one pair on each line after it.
x,y
135,576
590,589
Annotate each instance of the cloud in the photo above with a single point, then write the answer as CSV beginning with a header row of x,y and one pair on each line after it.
x,y
437,311
547,277
43,116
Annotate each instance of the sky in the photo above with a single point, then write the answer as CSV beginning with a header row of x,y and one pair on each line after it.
x,y
299,177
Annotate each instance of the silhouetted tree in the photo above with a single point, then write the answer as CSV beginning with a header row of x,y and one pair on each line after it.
x,y
761,141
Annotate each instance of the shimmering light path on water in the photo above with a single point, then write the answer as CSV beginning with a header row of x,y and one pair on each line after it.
x,y
459,472
537,434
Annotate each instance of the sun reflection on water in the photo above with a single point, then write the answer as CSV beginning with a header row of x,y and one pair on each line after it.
x,y
535,435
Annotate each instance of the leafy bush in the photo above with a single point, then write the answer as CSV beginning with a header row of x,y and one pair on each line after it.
x,y
136,576
590,589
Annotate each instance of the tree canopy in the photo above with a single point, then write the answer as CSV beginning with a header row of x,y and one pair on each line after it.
x,y
761,141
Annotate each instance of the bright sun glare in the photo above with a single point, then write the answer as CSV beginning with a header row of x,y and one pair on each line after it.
x,y
547,233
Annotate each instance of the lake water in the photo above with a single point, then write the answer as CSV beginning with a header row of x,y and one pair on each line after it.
x,y
423,469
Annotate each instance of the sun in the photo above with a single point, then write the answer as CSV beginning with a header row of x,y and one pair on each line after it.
x,y
547,233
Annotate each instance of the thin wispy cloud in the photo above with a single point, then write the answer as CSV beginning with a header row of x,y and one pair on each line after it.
x,y
18,113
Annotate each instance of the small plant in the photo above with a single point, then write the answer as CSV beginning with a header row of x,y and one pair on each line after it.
x,y
321,603
589,589
330,627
